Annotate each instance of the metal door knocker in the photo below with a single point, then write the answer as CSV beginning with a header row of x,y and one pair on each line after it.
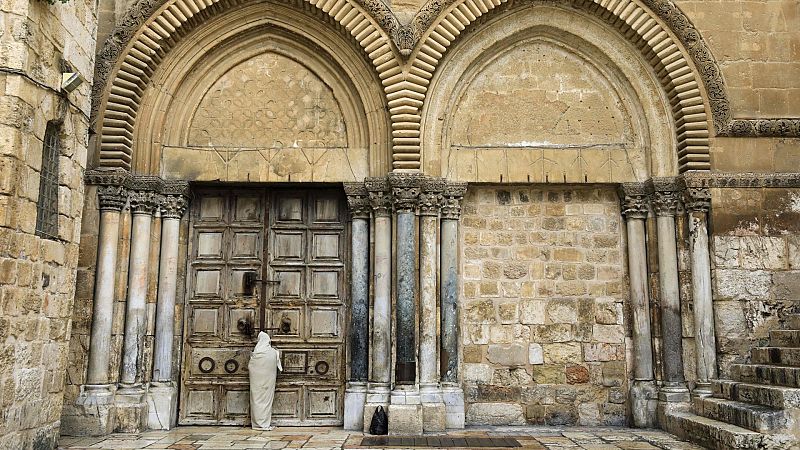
x,y
321,367
231,366
206,365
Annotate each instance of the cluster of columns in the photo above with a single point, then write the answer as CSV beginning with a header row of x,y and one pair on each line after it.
x,y
126,405
423,387
665,197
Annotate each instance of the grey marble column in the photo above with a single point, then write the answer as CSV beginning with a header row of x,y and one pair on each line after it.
x,y
665,204
356,391
112,198
405,190
643,390
381,375
145,199
698,202
162,396
453,395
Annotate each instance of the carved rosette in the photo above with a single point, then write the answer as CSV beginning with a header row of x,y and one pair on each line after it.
x,y
666,196
358,200
635,199
146,194
380,195
430,196
112,187
452,195
406,188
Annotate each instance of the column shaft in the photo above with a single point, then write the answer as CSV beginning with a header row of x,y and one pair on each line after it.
x,y
449,301
165,308
427,292
135,311
640,300
382,309
703,301
406,317
359,334
102,313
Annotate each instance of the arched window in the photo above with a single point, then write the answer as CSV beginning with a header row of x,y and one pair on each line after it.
x,y
47,206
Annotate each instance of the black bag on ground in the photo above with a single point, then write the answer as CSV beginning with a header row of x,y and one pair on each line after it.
x,y
380,422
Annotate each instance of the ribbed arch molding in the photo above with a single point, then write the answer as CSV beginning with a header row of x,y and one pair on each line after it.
x,y
636,23
136,63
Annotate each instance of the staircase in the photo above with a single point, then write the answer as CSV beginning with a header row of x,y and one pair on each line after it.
x,y
759,408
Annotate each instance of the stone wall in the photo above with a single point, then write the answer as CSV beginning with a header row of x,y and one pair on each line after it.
x,y
756,258
543,295
37,275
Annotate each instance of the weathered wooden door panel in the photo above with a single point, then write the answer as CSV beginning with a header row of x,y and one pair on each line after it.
x,y
295,242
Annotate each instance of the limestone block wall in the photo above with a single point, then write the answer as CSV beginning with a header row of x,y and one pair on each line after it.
x,y
37,275
543,297
756,259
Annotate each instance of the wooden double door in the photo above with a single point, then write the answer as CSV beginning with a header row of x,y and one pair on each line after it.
x,y
272,260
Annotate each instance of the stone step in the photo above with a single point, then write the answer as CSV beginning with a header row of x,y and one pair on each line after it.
x,y
778,397
784,338
766,374
711,433
791,322
752,417
781,356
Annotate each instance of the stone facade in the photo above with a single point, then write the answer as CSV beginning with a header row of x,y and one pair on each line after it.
x,y
544,329
37,274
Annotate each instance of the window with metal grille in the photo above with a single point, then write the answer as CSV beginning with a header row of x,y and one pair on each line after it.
x,y
47,207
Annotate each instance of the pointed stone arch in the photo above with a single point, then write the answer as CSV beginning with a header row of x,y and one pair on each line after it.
x,y
152,28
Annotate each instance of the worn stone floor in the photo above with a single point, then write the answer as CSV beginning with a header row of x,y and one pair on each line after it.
x,y
201,438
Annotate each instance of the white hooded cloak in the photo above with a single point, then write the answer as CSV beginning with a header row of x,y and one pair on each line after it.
x,y
265,362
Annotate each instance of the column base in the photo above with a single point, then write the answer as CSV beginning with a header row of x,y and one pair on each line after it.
x,y
131,411
93,412
644,403
405,411
378,394
433,409
674,392
162,405
355,398
455,415
702,390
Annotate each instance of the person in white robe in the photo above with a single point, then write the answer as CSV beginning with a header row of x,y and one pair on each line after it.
x,y
265,362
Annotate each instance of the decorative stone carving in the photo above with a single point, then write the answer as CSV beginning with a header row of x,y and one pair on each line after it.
x,y
380,196
635,200
738,180
452,195
112,187
430,196
406,188
666,196
358,200
696,193
145,194
175,199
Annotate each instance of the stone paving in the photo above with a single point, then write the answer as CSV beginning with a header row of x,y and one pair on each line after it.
x,y
328,438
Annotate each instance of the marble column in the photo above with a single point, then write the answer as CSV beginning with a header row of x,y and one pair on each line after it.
x,y
405,410
95,404
698,202
381,376
452,394
130,401
433,410
665,204
162,395
643,390
356,391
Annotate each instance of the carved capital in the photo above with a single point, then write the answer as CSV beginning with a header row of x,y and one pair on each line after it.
x,y
406,188
145,202
430,197
173,206
452,195
696,191
666,195
112,187
635,199
380,195
358,200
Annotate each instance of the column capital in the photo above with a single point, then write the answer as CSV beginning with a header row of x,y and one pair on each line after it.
x,y
146,195
452,195
666,195
696,191
430,197
175,199
112,187
380,195
357,200
406,188
635,198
